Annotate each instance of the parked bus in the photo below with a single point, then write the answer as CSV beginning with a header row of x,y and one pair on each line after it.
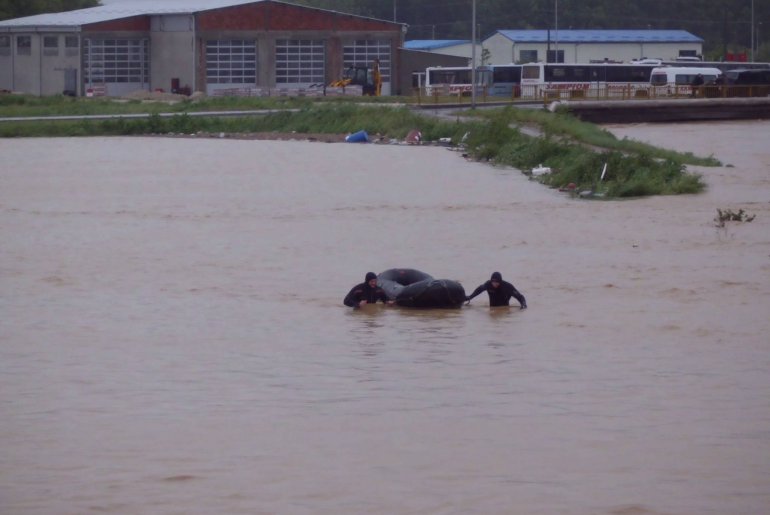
x,y
748,82
505,80
581,80
455,80
721,65
678,80
748,77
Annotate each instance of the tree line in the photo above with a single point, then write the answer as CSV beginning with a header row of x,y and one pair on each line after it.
x,y
18,8
725,25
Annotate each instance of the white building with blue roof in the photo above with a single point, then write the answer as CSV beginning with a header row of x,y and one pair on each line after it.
x,y
583,46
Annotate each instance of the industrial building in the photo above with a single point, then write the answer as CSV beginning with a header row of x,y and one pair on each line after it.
x,y
570,46
584,46
192,45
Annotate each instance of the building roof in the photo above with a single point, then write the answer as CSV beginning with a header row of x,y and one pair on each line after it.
x,y
433,44
119,10
601,36
116,10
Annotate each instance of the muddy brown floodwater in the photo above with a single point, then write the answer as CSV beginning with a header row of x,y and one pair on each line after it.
x,y
173,338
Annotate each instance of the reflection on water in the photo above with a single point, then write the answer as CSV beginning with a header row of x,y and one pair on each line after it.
x,y
173,338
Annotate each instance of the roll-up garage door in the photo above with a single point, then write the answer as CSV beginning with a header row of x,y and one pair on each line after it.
x,y
230,63
299,62
116,67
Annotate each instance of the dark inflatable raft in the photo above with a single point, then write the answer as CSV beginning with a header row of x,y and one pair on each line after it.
x,y
415,289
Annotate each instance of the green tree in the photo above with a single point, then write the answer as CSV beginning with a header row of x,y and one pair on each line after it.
x,y
10,9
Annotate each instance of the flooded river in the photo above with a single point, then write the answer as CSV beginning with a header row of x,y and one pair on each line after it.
x,y
173,340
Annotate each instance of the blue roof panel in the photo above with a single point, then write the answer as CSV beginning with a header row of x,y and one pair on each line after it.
x,y
432,44
602,36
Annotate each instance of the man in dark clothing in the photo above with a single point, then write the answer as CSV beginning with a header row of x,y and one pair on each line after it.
x,y
366,293
697,85
500,292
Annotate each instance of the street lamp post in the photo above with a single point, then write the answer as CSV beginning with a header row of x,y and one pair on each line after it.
x,y
473,56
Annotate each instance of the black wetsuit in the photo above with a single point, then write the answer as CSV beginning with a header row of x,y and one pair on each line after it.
x,y
501,295
365,292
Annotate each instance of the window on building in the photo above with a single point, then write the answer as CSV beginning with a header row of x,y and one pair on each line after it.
x,y
5,45
71,45
556,56
231,61
528,56
688,53
299,61
50,45
24,45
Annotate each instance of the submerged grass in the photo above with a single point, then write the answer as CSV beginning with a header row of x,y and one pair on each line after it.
x,y
575,151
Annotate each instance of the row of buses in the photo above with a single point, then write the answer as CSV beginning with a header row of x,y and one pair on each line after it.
x,y
595,80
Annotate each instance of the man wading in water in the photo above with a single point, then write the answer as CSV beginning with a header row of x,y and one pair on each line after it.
x,y
366,293
500,292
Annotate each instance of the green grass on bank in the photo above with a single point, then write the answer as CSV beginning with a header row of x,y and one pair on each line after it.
x,y
562,124
27,105
330,118
567,145
628,174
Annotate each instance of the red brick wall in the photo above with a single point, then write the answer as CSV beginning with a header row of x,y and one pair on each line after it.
x,y
138,23
276,16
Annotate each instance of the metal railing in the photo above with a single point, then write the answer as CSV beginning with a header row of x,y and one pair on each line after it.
x,y
613,92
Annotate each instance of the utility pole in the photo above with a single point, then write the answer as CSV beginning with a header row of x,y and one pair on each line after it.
x,y
556,30
473,56
752,31
394,10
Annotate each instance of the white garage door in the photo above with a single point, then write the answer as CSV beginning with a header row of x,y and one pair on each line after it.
x,y
116,66
299,62
230,63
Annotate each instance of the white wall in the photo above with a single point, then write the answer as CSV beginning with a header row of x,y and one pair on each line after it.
x,y
6,64
172,55
53,67
26,69
501,49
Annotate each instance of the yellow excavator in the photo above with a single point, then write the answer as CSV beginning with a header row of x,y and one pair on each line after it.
x,y
368,78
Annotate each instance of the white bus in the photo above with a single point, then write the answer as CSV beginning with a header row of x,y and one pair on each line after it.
x,y
597,80
455,80
505,80
677,80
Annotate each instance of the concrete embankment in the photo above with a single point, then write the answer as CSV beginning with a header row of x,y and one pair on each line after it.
x,y
637,111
